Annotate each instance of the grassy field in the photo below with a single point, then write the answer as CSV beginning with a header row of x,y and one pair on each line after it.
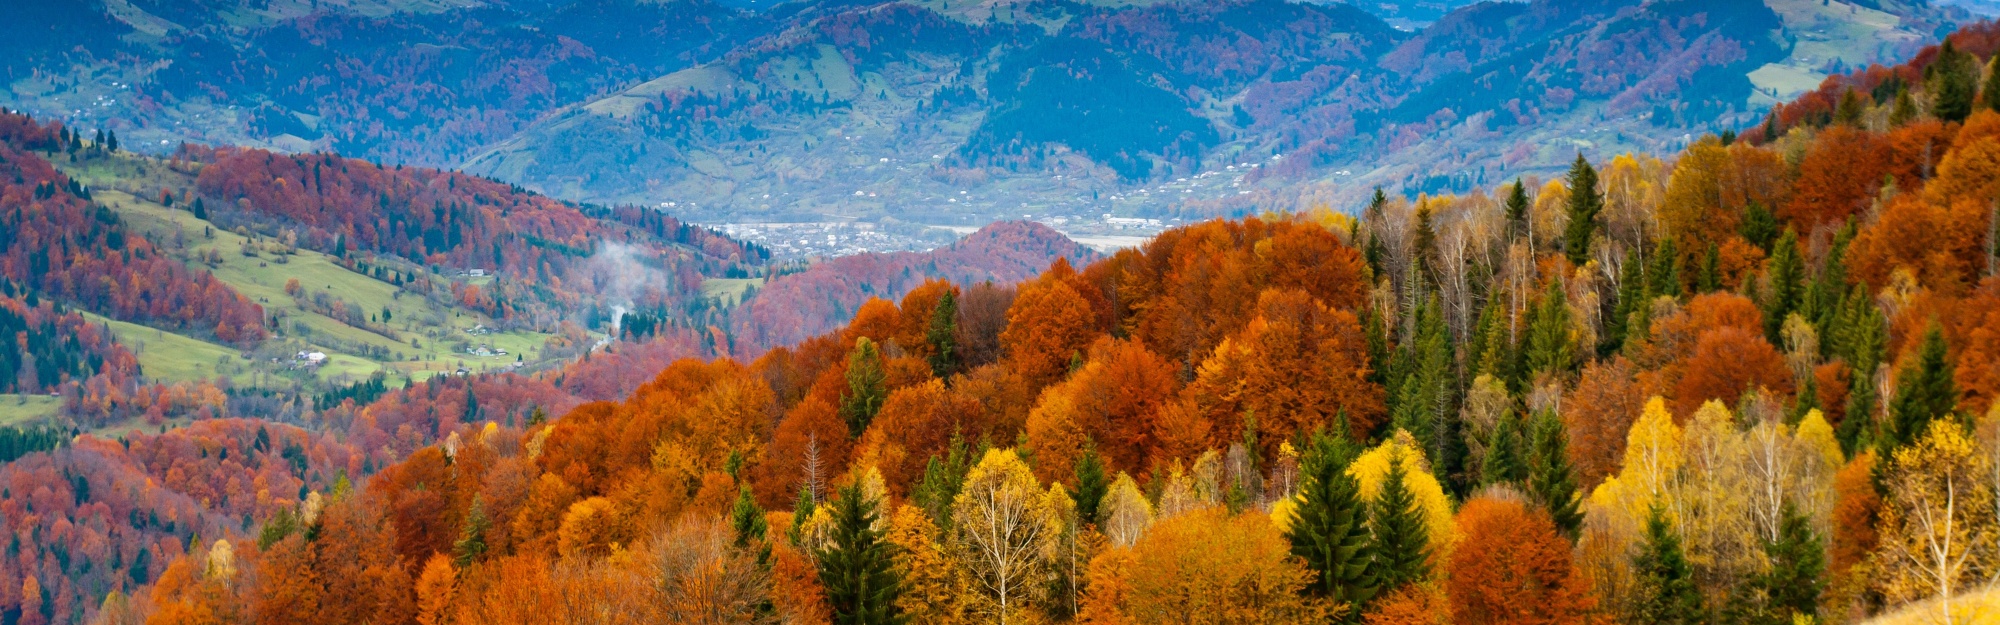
x,y
1979,607
417,338
729,290
170,357
27,410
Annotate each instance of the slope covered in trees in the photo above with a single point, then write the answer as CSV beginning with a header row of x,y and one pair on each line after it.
x,y
792,307
1647,392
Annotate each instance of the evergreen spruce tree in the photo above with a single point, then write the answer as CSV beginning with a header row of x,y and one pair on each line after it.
x,y
1091,484
1759,226
1848,111
1711,273
941,481
1666,271
802,509
1585,202
1631,295
1786,270
1426,387
1551,480
1330,529
1517,210
1953,76
1492,346
1925,391
943,336
867,387
1504,464
1821,302
858,566
747,519
1791,588
1665,593
471,543
1401,547
1551,348
1423,246
1904,110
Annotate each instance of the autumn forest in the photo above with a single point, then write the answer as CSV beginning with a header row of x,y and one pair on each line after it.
x,y
1755,382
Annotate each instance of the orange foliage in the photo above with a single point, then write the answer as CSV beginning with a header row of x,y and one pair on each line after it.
x,y
810,432
1837,179
914,424
1727,361
1049,323
1296,365
1113,401
1598,414
1513,568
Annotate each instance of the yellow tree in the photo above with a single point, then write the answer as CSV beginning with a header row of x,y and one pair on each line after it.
x,y
1006,529
1937,529
1201,568
437,586
1371,469
1125,513
934,584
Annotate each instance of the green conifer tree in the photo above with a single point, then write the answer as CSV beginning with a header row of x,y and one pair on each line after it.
x,y
1401,546
471,543
1091,484
1665,593
1791,588
1504,464
1330,530
867,387
1517,210
1585,202
1925,390
1552,481
747,519
1953,76
858,566
1787,272
943,336
1551,347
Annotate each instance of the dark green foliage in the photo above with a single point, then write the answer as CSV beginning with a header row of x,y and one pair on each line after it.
x,y
858,567
281,525
1330,532
1401,547
747,519
1787,272
1665,593
1925,391
1091,484
1759,226
1953,77
1088,96
1666,272
1631,295
1711,272
941,481
1517,209
1585,202
471,543
1422,398
1551,480
362,393
1849,111
802,509
18,441
1504,464
943,336
1551,350
867,387
1795,580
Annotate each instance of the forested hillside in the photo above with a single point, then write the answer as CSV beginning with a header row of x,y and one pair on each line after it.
x,y
1753,383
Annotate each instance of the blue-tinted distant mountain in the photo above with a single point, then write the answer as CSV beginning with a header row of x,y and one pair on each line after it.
x,y
950,111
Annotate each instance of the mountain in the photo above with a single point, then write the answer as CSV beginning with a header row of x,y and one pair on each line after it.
x,y
943,113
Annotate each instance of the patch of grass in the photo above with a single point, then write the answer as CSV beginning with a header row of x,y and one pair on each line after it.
x,y
168,357
28,410
729,291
